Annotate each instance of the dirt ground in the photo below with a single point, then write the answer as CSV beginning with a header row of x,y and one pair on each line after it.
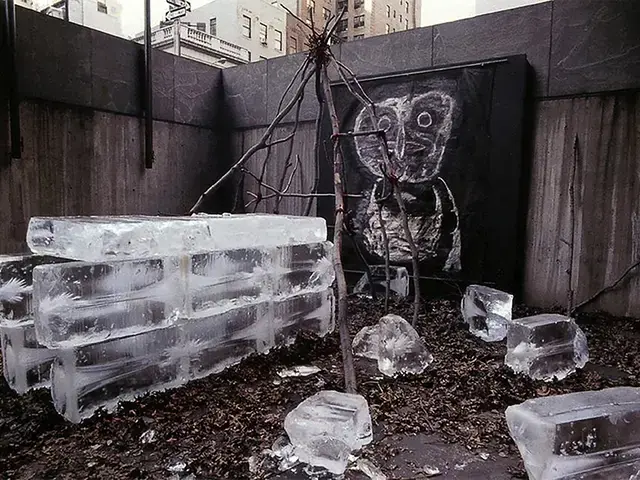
x,y
450,417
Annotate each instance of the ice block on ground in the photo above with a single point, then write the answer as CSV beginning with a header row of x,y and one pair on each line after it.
x,y
304,268
398,281
366,343
25,363
487,311
79,302
88,377
215,342
586,435
309,312
16,285
326,427
108,238
401,350
546,346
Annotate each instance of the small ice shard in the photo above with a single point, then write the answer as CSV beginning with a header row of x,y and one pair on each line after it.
x,y
546,346
25,363
369,469
78,303
309,312
298,371
585,435
326,427
16,285
398,281
178,467
120,237
366,343
148,437
431,471
487,311
401,351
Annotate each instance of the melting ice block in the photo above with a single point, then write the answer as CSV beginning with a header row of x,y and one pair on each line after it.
x,y
303,268
366,343
89,377
25,363
487,312
16,285
546,346
398,281
78,302
100,238
308,312
586,435
401,350
326,427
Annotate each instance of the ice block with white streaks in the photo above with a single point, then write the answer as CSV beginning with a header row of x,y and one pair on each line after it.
x,y
113,237
308,312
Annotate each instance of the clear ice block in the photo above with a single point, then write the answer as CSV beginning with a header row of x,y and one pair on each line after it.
x,y
99,375
117,237
304,268
398,281
326,427
366,343
546,346
16,285
487,311
25,363
585,435
78,303
402,351
309,312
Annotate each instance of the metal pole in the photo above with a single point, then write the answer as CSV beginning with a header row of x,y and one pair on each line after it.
x,y
66,10
148,140
14,101
176,25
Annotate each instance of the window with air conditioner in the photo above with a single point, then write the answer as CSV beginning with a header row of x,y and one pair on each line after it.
x,y
263,34
102,7
278,41
246,26
358,21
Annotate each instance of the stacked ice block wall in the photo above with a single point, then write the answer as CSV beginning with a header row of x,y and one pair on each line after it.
x,y
152,302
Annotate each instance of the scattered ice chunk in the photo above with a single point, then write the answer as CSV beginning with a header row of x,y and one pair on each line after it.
x,y
585,435
369,469
487,311
546,346
431,471
25,363
113,237
366,343
402,351
398,281
89,377
298,371
79,302
178,467
148,437
16,285
326,427
310,312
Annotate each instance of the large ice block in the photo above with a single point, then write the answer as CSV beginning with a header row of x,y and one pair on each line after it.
x,y
401,350
326,427
546,346
16,285
586,435
303,268
398,281
308,312
100,238
79,302
25,363
99,375
487,311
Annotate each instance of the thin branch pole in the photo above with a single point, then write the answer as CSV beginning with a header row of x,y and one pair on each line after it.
x,y
276,192
258,146
350,381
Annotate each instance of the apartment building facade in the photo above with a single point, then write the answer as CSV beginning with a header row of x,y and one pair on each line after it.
x,y
368,18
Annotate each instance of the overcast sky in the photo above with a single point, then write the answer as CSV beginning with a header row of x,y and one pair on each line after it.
x,y
133,13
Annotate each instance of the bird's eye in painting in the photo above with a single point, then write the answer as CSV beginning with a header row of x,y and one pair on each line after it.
x,y
424,120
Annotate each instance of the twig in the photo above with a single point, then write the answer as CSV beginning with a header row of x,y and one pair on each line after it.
x,y
607,289
363,133
276,192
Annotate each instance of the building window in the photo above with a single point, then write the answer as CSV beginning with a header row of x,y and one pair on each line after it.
x,y
388,11
213,27
400,2
394,29
387,29
343,25
263,34
400,18
394,14
102,7
358,21
249,56
358,37
278,42
406,24
326,13
293,44
246,26
406,9
358,3
202,27
342,5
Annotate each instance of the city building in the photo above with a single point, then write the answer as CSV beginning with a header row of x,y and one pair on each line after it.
x,y
367,18
26,3
255,25
102,15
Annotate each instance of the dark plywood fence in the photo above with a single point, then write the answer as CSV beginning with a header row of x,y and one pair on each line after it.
x,y
79,161
606,216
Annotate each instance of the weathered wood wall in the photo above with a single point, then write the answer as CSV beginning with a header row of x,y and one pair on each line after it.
x,y
78,161
606,214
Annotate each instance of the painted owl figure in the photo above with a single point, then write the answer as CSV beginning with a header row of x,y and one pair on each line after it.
x,y
417,129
